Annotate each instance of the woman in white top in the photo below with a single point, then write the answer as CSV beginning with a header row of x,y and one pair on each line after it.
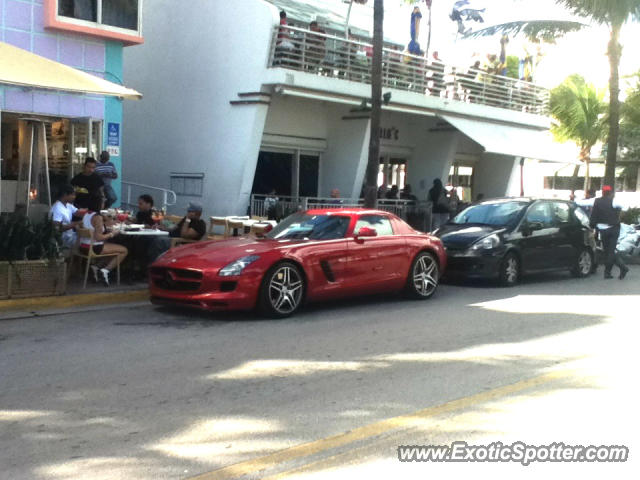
x,y
93,221
62,215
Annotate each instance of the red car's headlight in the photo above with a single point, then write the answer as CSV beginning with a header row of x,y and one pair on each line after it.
x,y
236,267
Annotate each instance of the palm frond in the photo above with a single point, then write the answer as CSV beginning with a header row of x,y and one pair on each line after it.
x,y
544,30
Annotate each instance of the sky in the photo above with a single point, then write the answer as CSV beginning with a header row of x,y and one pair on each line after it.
x,y
581,52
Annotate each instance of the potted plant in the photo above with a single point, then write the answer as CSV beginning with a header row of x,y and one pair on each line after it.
x,y
31,264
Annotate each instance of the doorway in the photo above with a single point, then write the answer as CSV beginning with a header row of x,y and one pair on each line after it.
x,y
291,173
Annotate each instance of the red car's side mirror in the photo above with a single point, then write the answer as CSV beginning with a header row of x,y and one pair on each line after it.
x,y
366,232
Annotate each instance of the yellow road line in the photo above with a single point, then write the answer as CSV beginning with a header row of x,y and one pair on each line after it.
x,y
374,429
79,300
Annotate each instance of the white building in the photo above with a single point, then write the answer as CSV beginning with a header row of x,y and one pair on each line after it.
x,y
228,111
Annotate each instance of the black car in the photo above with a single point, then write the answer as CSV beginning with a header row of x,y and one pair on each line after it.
x,y
504,238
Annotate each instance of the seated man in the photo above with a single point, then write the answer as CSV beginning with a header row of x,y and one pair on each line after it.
x,y
62,215
144,215
191,227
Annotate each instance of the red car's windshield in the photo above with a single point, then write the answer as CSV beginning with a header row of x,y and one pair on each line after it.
x,y
313,227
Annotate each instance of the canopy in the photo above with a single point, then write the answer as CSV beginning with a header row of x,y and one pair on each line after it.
x,y
519,141
26,69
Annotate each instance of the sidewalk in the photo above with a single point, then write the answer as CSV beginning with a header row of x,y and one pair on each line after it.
x,y
95,296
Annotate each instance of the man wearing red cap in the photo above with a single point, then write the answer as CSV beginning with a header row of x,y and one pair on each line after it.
x,y
605,217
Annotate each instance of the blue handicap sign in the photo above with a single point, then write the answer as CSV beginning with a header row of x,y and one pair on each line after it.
x,y
113,134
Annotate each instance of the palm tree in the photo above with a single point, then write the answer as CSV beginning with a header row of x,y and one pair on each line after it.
x,y
613,14
373,164
578,109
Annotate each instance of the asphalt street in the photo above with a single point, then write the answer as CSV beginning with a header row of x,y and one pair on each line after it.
x,y
141,392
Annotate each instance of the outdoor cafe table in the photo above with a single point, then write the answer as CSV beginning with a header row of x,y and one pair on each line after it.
x,y
145,232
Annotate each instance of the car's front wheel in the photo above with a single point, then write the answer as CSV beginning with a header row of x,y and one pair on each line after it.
x,y
510,270
583,265
282,290
423,276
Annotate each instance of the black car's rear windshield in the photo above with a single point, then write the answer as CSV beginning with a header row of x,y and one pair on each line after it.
x,y
313,227
500,213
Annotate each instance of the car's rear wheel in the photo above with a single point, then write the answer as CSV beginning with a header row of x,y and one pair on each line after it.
x,y
423,277
583,265
510,270
282,290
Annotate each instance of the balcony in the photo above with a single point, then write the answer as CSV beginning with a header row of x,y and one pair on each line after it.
x,y
329,56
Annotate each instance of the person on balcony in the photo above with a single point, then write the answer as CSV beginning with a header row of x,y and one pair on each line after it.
x,y
392,194
316,46
284,45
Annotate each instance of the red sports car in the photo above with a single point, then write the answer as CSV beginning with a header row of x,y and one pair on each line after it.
x,y
310,256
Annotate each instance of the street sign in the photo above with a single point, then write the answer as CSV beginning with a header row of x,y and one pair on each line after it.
x,y
113,151
113,134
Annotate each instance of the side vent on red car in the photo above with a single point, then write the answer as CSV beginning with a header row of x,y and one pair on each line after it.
x,y
326,269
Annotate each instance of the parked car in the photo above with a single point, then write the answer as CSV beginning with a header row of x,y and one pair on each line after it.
x,y
507,237
315,255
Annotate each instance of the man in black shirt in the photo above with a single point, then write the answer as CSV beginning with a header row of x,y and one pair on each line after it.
x,y
87,184
144,215
191,227
605,218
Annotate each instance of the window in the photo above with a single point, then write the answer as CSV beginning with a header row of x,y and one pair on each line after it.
x,y
189,184
380,224
540,213
582,217
114,13
498,214
561,212
316,227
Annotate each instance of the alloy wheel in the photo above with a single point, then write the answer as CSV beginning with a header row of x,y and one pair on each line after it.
x,y
425,275
511,270
285,289
585,263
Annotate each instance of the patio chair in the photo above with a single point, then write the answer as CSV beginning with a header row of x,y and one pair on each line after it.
x,y
90,257
217,222
259,229
235,226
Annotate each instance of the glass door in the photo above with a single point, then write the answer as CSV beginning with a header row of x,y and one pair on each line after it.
x,y
86,141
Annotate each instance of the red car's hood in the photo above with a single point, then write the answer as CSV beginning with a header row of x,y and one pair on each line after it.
x,y
215,254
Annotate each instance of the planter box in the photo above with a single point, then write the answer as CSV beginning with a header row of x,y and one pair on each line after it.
x,y
32,278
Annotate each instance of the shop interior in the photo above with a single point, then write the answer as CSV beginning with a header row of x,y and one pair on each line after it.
x,y
39,154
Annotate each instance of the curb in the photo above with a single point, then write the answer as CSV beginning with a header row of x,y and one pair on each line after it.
x,y
71,301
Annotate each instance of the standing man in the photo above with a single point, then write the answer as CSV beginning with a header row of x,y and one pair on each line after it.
x,y
605,217
107,171
87,183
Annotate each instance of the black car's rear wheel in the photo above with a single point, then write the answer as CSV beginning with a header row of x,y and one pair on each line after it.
x,y
423,276
510,270
583,265
282,290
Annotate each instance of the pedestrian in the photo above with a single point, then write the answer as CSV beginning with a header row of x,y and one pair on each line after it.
x,y
439,204
335,196
271,203
392,194
107,172
605,218
87,183
454,202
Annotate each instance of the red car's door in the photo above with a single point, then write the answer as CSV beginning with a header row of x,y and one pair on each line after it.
x,y
325,263
376,263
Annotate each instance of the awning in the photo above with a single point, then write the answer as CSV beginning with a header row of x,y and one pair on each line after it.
x,y
519,141
26,69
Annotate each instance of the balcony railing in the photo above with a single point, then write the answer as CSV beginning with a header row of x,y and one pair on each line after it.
x,y
326,55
